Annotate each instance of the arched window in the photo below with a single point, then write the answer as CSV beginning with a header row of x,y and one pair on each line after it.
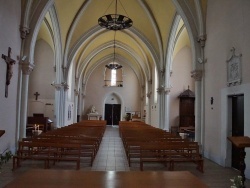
x,y
113,77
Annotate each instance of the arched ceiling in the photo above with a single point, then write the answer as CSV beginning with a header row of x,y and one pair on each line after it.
x,y
84,41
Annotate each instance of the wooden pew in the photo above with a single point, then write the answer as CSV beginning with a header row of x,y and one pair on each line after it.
x,y
151,144
172,152
47,152
87,137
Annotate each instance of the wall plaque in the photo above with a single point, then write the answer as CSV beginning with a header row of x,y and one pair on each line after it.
x,y
234,69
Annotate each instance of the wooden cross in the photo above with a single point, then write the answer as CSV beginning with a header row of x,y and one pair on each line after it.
x,y
36,94
9,71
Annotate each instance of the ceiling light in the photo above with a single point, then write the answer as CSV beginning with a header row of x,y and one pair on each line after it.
x,y
115,21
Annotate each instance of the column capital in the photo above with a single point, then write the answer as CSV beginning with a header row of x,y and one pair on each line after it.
x,y
202,40
197,75
27,68
24,31
65,86
163,90
57,86
76,92
167,90
149,94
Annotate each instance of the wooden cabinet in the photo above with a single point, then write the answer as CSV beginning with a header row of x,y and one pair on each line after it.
x,y
186,111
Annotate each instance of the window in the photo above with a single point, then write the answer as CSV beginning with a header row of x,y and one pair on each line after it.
x,y
113,77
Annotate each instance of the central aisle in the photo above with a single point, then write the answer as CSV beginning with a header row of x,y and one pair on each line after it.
x,y
111,155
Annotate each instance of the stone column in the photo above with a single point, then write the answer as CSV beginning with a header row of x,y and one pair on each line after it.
x,y
167,109
56,105
164,107
76,104
26,70
161,103
197,75
148,110
81,101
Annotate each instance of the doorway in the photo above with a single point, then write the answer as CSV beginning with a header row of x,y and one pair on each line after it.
x,y
237,126
112,114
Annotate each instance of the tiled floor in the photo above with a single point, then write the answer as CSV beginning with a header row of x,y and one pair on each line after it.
x,y
111,157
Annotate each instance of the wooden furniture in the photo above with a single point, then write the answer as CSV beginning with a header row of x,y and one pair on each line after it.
x,y
241,142
47,151
2,132
186,109
76,142
106,179
171,152
150,144
43,123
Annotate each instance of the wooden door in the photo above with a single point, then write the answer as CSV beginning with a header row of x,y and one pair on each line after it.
x,y
112,114
108,113
116,114
237,126
187,118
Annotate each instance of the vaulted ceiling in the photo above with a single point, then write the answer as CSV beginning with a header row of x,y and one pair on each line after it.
x,y
87,44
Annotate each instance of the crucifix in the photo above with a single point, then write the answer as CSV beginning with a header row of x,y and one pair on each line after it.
x,y
36,94
9,71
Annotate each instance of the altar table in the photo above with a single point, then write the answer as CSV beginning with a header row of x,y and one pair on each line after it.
x,y
106,179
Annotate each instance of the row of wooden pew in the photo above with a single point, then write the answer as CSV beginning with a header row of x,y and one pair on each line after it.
x,y
149,144
78,143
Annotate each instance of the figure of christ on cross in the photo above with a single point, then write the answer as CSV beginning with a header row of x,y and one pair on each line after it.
x,y
9,71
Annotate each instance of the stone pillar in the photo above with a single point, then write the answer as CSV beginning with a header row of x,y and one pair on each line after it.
x,y
164,107
26,70
148,110
82,106
197,75
57,105
76,104
81,101
161,103
167,109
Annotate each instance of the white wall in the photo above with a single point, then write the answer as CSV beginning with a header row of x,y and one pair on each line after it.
x,y
10,15
228,25
180,80
96,93
40,81
43,73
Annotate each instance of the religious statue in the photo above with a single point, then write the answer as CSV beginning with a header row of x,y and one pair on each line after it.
x,y
9,71
93,110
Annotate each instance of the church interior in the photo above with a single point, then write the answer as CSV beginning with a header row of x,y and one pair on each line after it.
x,y
178,67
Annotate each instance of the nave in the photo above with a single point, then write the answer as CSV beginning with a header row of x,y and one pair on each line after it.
x,y
111,157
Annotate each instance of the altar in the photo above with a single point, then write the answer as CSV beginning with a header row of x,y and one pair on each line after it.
x,y
94,116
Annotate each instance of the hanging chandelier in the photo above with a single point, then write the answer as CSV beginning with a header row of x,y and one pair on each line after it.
x,y
114,65
115,21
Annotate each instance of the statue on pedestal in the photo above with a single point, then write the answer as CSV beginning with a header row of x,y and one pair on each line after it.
x,y
93,110
93,114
